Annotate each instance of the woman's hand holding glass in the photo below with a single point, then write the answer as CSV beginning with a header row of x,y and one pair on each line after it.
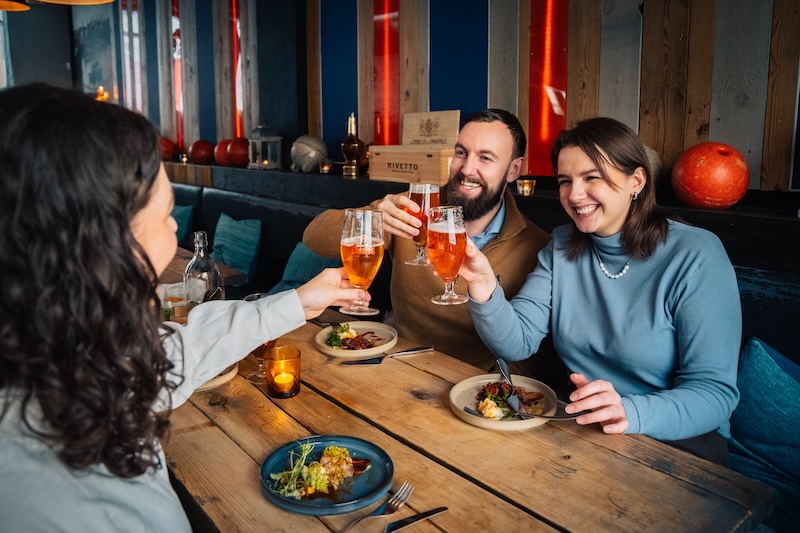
x,y
329,287
478,274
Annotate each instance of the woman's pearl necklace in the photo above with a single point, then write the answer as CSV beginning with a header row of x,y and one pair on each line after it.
x,y
608,274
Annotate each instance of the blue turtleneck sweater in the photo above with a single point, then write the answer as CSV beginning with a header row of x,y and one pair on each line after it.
x,y
666,334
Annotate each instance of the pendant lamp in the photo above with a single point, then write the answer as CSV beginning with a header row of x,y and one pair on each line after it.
x,y
14,5
76,2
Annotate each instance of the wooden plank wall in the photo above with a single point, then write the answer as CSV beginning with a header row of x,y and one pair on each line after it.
x,y
782,89
739,78
679,72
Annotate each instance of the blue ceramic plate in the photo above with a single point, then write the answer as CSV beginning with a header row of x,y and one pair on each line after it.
x,y
353,494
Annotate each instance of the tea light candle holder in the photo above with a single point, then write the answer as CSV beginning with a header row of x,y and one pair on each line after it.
x,y
283,371
525,187
325,166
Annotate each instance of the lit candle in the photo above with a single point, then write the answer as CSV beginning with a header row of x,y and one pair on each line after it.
x,y
283,381
525,187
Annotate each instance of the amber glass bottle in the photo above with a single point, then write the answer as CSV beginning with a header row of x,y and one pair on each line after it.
x,y
353,149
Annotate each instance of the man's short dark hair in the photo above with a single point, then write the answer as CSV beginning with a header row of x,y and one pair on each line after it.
x,y
511,121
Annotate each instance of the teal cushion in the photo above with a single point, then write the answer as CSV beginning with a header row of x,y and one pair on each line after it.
x,y
303,265
183,215
236,244
765,433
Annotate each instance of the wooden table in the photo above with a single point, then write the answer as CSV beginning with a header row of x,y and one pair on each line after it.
x,y
556,477
174,271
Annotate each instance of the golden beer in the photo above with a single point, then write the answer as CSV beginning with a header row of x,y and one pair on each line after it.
x,y
446,250
361,261
419,198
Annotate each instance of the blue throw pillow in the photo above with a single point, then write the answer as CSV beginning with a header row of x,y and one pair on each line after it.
x,y
183,215
765,434
236,244
303,265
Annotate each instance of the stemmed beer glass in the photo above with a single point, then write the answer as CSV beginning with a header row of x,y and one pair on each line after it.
x,y
362,253
426,196
259,376
447,247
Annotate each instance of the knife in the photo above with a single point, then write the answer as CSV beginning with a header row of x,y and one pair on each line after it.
x,y
377,360
400,524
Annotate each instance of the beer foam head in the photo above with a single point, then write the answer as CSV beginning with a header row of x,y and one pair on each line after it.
x,y
445,226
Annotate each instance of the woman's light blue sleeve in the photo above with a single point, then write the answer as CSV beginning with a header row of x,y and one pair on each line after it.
x,y
513,330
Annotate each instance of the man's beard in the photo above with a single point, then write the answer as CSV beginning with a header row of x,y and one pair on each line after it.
x,y
474,208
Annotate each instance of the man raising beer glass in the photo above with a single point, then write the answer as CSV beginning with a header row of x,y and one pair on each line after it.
x,y
489,154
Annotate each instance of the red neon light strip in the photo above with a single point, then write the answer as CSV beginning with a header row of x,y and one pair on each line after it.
x,y
547,66
236,81
387,74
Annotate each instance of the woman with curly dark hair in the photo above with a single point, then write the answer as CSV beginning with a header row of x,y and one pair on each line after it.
x,y
88,372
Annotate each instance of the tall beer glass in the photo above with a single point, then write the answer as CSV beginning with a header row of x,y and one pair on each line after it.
x,y
447,247
362,253
426,196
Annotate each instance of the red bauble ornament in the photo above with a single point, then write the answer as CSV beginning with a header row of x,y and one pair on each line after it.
x,y
710,175
166,147
239,152
221,153
201,152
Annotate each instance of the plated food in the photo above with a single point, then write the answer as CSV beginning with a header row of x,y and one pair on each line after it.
x,y
493,400
309,479
355,473
365,339
466,393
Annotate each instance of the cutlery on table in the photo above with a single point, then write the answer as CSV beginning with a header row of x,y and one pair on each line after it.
x,y
391,505
526,416
377,360
323,324
400,524
516,405
512,399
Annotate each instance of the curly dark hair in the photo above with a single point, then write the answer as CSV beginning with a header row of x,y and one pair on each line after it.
x,y
79,311
607,141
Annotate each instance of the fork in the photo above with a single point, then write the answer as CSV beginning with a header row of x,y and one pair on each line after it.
x,y
391,505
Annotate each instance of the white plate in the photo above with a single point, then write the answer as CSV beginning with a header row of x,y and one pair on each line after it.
x,y
463,394
223,377
386,332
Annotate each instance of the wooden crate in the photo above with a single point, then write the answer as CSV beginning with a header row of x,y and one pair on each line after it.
x,y
425,155
413,164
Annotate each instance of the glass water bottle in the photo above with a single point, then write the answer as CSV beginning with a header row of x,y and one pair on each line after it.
x,y
201,279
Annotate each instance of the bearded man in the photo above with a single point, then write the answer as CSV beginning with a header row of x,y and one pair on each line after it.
x,y
489,154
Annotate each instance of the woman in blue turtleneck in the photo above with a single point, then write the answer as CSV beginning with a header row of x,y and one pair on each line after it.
x,y
643,310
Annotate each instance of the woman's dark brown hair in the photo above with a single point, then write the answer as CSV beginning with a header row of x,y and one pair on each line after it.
x,y
609,142
79,312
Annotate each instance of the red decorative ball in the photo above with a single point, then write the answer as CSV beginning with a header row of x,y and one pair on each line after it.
x,y
167,148
710,175
201,152
239,152
221,153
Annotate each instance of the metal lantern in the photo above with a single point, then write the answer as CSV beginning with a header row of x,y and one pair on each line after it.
x,y
265,148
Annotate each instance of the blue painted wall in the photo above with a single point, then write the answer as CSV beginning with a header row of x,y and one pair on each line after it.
x,y
338,41
151,49
459,55
205,72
